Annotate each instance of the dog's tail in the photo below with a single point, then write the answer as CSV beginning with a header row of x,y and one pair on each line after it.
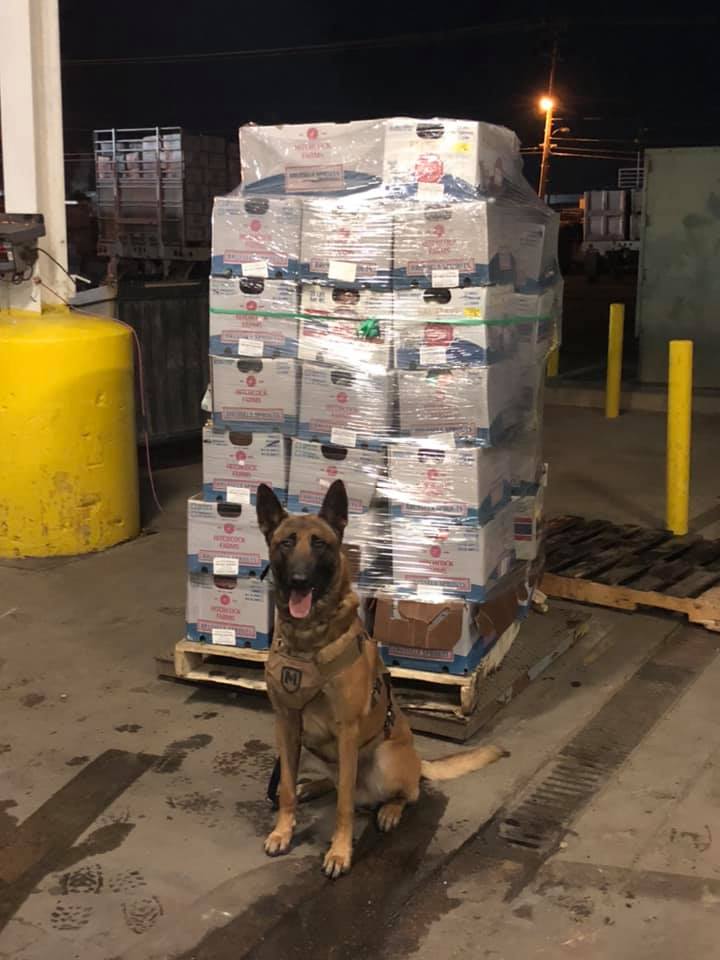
x,y
458,764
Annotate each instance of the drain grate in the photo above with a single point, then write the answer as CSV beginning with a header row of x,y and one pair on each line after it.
x,y
539,820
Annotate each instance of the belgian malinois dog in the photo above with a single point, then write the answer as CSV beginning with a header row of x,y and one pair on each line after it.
x,y
329,688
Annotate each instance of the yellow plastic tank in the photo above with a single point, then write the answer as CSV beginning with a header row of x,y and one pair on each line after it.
x,y
68,462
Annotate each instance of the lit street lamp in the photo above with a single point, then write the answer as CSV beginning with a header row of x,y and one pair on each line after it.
x,y
547,104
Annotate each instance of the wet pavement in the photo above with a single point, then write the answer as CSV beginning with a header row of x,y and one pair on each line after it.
x,y
132,810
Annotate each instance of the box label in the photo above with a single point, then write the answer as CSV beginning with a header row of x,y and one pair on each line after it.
x,y
258,269
342,270
250,348
342,437
225,566
430,356
223,636
445,278
237,495
429,191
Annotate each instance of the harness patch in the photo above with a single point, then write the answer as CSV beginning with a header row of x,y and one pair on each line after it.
x,y
290,678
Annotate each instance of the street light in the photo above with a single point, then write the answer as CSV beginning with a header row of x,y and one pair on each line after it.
x,y
547,105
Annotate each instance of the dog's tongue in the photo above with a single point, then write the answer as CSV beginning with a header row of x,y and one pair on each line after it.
x,y
300,603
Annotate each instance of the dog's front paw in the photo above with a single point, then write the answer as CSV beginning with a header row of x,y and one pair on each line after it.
x,y
337,860
278,842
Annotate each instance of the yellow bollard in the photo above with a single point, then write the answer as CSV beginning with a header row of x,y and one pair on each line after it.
x,y
679,419
553,362
614,360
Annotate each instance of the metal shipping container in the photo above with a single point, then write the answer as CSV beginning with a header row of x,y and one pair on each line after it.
x,y
679,278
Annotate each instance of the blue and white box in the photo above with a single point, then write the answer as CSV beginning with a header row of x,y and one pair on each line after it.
x,y
440,327
474,405
346,327
347,242
235,463
252,317
463,485
431,557
224,538
256,237
255,395
315,466
315,158
456,157
345,406
228,611
447,245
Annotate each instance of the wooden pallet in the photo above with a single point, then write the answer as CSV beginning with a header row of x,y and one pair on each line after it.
x,y
626,567
441,704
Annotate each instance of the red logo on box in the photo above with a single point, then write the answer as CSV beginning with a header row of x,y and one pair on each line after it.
x,y
331,471
251,381
224,599
240,456
255,225
432,473
435,552
438,334
251,305
228,528
312,133
342,398
428,169
439,230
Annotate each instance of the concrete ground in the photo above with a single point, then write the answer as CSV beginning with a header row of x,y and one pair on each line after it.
x,y
132,809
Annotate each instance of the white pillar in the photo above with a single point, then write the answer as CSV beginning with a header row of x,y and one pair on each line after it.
x,y
32,136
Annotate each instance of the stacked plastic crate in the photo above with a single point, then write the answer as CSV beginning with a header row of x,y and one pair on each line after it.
x,y
381,307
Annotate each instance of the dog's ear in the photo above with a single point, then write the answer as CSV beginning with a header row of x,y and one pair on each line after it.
x,y
334,509
270,512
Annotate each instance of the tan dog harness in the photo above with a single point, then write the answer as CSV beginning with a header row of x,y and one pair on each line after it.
x,y
296,680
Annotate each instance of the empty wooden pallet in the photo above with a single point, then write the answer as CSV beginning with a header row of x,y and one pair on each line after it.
x,y
627,566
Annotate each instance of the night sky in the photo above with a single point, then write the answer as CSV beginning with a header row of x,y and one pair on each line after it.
x,y
618,78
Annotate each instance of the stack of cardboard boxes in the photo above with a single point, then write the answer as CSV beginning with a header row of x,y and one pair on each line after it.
x,y
382,302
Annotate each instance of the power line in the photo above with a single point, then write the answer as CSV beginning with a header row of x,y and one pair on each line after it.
x,y
402,39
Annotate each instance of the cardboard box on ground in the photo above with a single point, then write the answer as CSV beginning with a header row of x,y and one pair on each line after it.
x,y
450,634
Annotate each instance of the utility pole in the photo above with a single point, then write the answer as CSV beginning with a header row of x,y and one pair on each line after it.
x,y
548,105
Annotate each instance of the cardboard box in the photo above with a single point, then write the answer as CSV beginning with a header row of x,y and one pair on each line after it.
x,y
468,485
255,395
315,466
446,245
441,151
530,232
528,524
229,611
472,403
455,633
432,558
342,326
534,318
241,461
348,242
526,463
256,237
366,543
347,407
226,531
253,317
452,326
319,157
